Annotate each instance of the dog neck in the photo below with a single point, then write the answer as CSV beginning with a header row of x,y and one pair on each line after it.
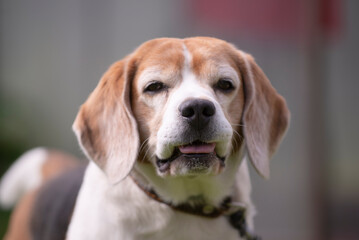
x,y
205,189
194,207
199,204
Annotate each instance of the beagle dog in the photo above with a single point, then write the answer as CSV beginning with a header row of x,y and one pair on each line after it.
x,y
168,130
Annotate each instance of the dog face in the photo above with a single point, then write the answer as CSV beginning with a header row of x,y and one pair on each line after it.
x,y
184,106
187,105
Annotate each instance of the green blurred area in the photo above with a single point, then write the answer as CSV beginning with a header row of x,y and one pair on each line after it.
x,y
12,145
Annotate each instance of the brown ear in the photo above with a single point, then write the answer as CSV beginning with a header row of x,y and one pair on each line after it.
x,y
105,126
265,117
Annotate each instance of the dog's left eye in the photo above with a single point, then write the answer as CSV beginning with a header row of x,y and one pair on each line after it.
x,y
224,84
154,87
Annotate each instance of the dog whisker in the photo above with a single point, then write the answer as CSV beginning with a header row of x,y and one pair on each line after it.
x,y
144,142
240,137
147,151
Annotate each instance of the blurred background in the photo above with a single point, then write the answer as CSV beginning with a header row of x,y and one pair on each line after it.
x,y
52,54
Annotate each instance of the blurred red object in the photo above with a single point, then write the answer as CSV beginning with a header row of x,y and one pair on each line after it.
x,y
280,18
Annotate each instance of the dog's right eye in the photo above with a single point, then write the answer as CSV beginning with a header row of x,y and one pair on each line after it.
x,y
154,87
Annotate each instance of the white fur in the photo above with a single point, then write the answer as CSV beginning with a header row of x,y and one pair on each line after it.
x,y
123,211
23,176
242,192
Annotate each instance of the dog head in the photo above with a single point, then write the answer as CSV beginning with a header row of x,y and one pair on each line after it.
x,y
184,106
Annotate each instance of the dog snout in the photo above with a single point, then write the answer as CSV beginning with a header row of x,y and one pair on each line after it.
x,y
198,112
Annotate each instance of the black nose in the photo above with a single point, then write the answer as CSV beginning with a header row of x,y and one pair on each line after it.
x,y
197,112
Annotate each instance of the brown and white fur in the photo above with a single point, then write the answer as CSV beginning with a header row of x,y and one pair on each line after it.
x,y
24,180
199,102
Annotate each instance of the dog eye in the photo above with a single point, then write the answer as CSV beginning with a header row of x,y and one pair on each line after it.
x,y
154,87
224,84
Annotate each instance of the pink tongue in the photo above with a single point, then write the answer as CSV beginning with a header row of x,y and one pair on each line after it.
x,y
202,148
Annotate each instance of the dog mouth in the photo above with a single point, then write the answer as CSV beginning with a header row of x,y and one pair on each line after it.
x,y
197,157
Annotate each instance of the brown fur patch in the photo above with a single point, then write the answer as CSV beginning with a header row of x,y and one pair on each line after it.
x,y
19,226
102,101
265,117
55,164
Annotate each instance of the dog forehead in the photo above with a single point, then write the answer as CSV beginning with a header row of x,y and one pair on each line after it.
x,y
169,56
164,54
210,55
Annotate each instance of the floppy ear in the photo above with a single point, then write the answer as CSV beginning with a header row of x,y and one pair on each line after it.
x,y
105,126
265,116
